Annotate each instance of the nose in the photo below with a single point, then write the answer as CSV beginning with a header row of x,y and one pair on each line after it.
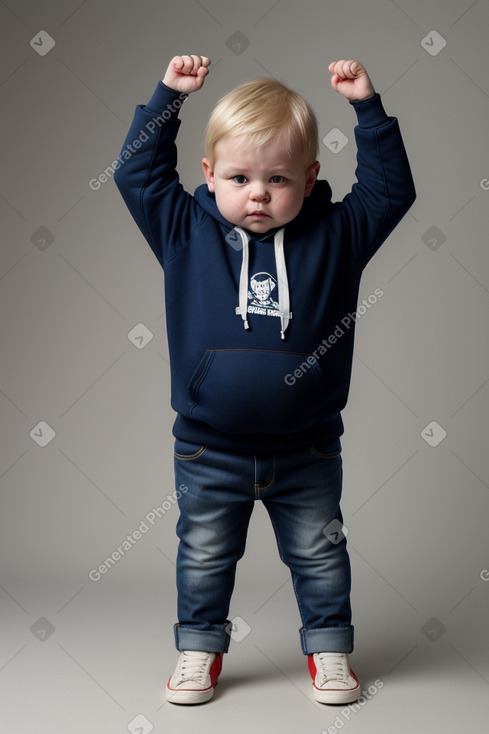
x,y
259,192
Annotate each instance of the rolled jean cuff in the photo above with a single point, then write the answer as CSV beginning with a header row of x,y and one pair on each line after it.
x,y
214,639
327,639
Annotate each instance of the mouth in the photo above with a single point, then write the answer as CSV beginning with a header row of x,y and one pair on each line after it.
x,y
258,213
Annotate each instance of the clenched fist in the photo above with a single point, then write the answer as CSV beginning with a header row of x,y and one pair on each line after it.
x,y
186,73
351,80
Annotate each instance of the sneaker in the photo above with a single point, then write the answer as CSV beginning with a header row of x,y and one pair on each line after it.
x,y
195,677
333,680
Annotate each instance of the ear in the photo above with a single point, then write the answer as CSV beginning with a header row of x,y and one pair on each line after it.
x,y
208,173
311,176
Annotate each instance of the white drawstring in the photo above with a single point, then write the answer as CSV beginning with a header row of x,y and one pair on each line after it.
x,y
243,279
283,284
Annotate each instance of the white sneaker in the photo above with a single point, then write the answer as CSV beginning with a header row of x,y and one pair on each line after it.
x,y
333,680
195,677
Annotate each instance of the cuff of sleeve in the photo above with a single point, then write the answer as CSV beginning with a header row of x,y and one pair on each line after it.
x,y
164,99
370,112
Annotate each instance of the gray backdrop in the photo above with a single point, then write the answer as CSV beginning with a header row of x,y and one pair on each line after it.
x,y
86,446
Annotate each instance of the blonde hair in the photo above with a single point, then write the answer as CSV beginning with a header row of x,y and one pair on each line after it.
x,y
259,110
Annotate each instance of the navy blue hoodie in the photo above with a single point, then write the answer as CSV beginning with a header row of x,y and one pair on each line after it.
x,y
261,327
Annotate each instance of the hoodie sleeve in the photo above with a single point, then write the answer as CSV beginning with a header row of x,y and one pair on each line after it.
x,y
384,190
147,178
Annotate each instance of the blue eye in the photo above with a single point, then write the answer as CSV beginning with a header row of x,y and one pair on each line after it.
x,y
277,179
239,179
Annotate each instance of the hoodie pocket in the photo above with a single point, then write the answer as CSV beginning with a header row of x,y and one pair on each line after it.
x,y
258,391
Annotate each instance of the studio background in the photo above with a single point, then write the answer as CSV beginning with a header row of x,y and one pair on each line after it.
x,y
86,452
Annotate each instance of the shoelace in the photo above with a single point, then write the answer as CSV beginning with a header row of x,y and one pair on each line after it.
x,y
332,667
193,665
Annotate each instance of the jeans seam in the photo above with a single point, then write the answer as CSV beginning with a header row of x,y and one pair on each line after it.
x,y
190,457
331,455
260,487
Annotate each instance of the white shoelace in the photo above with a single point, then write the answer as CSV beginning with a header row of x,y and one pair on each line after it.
x,y
332,666
193,665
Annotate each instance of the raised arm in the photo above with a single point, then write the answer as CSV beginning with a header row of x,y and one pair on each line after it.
x,y
384,190
146,177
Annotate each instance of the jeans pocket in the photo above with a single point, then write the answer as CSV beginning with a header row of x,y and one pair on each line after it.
x,y
186,451
325,450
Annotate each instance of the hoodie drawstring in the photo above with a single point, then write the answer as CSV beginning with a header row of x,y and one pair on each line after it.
x,y
283,283
243,278
282,280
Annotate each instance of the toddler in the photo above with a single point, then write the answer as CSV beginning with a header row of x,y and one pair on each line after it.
x,y
262,274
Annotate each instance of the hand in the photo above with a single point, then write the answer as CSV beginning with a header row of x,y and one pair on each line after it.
x,y
351,80
186,73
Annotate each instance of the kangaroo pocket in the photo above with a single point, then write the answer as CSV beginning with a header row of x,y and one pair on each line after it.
x,y
258,391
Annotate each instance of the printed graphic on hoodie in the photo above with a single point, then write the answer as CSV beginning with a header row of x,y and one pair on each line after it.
x,y
260,300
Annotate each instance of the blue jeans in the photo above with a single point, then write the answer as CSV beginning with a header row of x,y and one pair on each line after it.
x,y
301,491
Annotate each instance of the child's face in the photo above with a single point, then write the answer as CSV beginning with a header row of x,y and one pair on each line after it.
x,y
258,188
